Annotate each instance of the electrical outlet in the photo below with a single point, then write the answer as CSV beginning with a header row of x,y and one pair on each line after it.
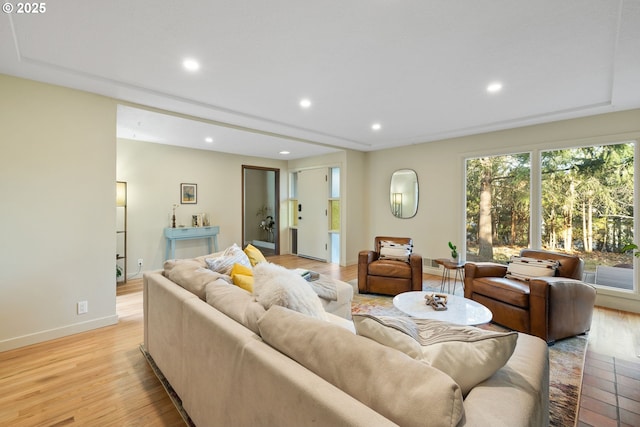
x,y
83,307
139,262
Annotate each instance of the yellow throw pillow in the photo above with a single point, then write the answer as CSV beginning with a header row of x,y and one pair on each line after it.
x,y
254,254
242,277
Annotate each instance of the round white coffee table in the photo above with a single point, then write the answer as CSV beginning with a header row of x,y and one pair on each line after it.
x,y
460,310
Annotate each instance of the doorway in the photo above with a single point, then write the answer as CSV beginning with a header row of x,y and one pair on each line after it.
x,y
313,230
260,208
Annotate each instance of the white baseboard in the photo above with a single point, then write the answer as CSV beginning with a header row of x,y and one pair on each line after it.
x,y
50,334
618,302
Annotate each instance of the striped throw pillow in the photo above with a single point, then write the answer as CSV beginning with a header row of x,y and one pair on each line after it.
x,y
523,268
232,255
395,251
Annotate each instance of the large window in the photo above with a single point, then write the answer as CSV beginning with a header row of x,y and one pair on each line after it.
x,y
585,200
498,191
587,208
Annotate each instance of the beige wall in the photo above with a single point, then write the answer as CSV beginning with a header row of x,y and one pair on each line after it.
x,y
440,169
154,172
57,220
57,175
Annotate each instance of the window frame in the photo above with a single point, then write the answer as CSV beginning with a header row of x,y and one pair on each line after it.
x,y
535,203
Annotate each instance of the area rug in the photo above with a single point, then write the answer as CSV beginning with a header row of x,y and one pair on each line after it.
x,y
566,361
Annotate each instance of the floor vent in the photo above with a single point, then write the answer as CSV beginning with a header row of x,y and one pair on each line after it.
x,y
430,263
430,266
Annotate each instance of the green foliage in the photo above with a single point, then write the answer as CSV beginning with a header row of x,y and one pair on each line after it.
x,y
586,200
454,250
631,247
118,271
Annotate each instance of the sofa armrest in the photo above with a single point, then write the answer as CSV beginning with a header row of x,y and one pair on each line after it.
x,y
367,257
560,307
364,259
474,270
484,269
415,260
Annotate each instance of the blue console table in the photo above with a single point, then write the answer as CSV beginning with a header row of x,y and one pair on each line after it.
x,y
188,233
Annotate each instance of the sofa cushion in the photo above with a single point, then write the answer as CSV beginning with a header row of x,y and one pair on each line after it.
x,y
390,268
224,263
236,303
395,250
254,254
510,291
524,268
191,275
276,285
408,392
468,354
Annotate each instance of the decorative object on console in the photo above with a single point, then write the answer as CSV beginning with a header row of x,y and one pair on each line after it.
x,y
173,215
188,194
196,220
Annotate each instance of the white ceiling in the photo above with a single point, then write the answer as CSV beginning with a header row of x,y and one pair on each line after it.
x,y
419,68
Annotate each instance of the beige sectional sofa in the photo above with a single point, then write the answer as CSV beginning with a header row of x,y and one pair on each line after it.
x,y
233,363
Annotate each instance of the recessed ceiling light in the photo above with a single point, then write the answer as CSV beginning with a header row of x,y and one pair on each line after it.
x,y
494,87
191,64
305,103
208,139
284,153
376,126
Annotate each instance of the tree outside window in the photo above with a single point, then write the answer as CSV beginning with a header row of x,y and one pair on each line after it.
x,y
498,208
587,196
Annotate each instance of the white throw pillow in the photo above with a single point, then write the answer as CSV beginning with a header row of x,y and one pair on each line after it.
x,y
275,285
467,354
395,251
524,268
224,263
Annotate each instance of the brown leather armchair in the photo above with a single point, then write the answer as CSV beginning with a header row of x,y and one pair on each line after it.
x,y
387,276
551,308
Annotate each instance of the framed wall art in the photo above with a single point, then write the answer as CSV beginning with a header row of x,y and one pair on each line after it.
x,y
188,194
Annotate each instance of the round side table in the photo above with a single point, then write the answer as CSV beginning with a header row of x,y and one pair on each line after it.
x,y
448,266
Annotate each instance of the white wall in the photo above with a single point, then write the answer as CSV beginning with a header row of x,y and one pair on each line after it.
x,y
440,169
153,173
57,218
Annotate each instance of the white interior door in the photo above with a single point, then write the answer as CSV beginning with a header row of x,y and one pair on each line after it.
x,y
313,226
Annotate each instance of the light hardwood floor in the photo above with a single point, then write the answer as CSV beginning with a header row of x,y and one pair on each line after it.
x,y
100,378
